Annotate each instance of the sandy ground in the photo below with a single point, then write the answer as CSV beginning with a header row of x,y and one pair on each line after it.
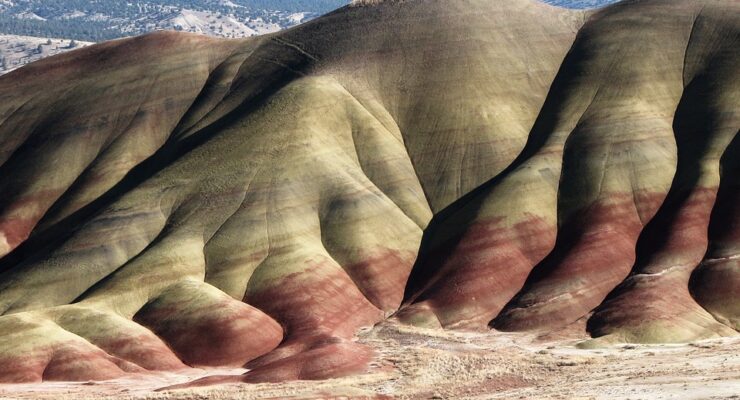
x,y
415,363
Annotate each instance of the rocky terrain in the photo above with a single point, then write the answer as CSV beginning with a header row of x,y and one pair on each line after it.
x,y
175,202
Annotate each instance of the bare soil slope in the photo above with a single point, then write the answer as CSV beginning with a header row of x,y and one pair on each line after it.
x,y
172,201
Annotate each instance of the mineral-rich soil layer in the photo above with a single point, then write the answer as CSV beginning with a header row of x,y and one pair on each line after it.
x,y
174,202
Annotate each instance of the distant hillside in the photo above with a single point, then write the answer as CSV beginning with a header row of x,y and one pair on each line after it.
x,y
580,3
109,19
17,51
26,24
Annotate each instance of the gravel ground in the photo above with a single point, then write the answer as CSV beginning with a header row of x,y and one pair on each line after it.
x,y
416,363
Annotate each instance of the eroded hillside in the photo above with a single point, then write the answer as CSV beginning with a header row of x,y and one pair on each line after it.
x,y
174,201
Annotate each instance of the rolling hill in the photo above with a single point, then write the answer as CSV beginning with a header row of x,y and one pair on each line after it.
x,y
176,200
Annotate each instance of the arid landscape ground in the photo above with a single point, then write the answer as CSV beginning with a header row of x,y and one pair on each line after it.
x,y
329,211
417,363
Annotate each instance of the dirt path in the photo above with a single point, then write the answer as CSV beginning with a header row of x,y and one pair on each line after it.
x,y
426,364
